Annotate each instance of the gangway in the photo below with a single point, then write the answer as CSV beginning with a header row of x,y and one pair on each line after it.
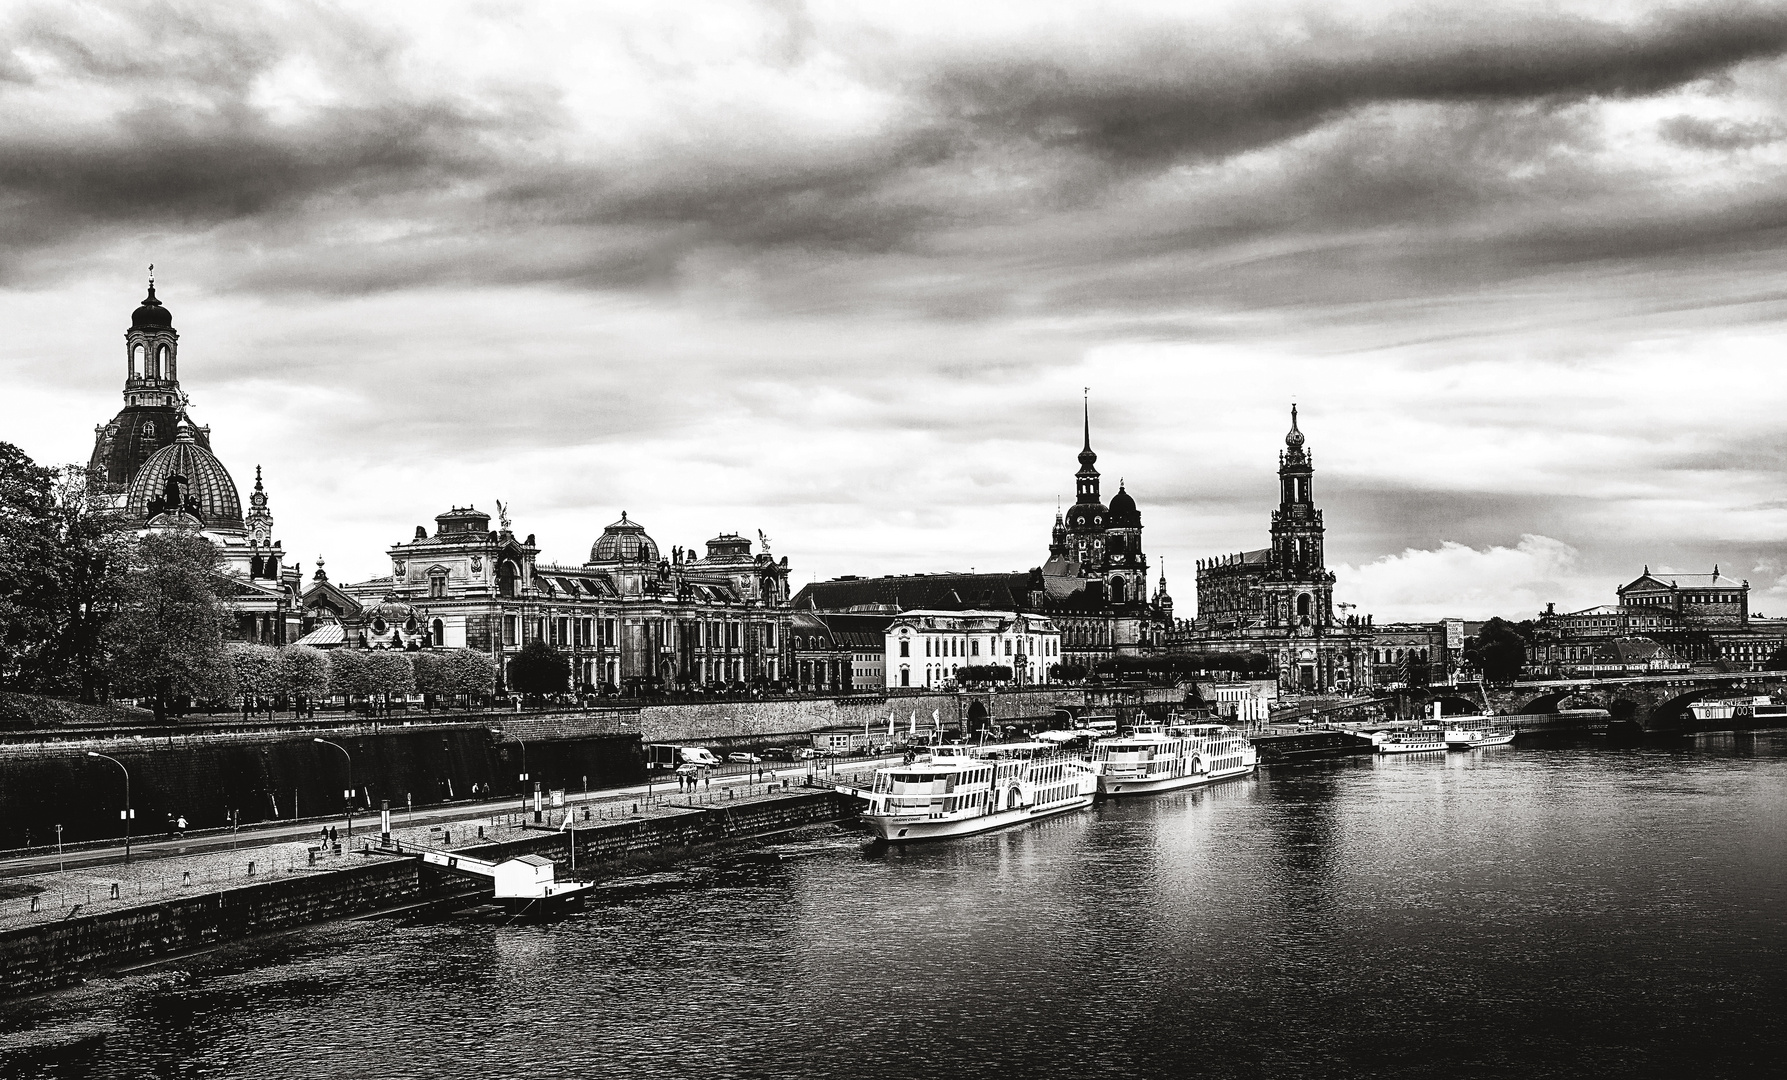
x,y
521,883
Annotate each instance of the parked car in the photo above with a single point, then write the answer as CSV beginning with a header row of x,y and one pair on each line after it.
x,y
743,758
776,753
807,753
688,769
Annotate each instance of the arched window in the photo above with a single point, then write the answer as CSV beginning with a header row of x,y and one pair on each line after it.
x,y
136,362
161,362
1303,603
440,638
1116,590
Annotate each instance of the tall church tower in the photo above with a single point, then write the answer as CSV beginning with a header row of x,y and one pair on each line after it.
x,y
1086,518
1299,575
153,402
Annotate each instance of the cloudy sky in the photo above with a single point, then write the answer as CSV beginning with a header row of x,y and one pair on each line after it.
x,y
839,273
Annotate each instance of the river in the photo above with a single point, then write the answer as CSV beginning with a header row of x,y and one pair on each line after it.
x,y
1569,910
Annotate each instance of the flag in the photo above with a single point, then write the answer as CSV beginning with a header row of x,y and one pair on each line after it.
x,y
912,725
890,723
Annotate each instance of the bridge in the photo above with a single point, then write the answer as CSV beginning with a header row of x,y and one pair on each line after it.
x,y
1654,703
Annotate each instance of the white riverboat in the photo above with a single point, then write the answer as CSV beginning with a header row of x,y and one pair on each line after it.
x,y
1423,740
1165,758
1738,714
1471,738
963,790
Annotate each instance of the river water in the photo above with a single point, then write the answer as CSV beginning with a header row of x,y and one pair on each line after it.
x,y
1566,910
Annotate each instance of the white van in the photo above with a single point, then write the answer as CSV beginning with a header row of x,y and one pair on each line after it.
x,y
697,755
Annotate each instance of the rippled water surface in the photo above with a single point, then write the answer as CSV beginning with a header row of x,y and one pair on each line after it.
x,y
1520,912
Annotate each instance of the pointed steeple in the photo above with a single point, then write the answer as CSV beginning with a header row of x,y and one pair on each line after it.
x,y
1086,479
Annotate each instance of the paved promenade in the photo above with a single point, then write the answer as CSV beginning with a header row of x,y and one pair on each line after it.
x,y
34,889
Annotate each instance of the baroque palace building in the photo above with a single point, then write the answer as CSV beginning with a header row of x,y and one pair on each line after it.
x,y
1279,600
152,464
1092,588
629,619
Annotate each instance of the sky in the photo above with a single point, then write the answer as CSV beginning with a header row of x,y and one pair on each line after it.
x,y
843,273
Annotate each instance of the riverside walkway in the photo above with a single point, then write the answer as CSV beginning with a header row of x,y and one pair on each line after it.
x,y
43,887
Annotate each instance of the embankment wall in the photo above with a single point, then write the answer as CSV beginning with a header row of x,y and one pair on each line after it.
x,y
47,955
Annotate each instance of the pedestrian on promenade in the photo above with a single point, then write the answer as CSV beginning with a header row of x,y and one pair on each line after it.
x,y
181,825
333,838
170,826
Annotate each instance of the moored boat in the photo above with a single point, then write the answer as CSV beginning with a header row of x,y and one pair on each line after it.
x,y
1424,740
963,790
1156,758
1471,738
1737,714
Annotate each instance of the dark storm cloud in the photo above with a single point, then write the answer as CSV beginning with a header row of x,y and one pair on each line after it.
x,y
1175,90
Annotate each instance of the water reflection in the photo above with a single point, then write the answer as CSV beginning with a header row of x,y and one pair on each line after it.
x,y
1571,910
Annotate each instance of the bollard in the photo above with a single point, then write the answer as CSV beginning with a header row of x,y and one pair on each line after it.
x,y
34,903
446,837
635,808
251,868
114,890
186,875
480,832
313,856
586,813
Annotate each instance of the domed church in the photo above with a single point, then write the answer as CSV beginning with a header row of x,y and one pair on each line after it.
x,y
156,466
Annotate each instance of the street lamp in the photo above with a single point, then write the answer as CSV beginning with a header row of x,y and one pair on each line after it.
x,y
350,785
128,814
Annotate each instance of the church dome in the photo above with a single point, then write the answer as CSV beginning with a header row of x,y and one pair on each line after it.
x,y
624,541
1092,515
185,477
1124,514
151,314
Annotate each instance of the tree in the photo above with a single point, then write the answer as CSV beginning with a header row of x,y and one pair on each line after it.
x,y
975,674
468,674
390,674
539,669
305,672
1071,673
167,638
256,675
1498,651
63,560
350,674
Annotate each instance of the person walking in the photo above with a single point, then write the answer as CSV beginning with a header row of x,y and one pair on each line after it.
x,y
181,826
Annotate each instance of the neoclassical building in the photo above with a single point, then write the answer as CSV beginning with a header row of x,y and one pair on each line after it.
x,y
156,467
630,618
1279,600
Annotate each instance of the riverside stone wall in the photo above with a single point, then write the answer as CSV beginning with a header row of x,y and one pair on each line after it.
x,y
47,955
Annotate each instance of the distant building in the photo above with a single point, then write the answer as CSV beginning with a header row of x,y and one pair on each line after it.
x,y
1698,619
1279,600
152,463
1693,600
929,648
1092,586
629,619
834,652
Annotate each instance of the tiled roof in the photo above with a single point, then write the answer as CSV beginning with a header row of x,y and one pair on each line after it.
x,y
324,636
908,591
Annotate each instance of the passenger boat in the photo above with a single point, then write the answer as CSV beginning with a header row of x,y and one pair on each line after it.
x,y
1462,738
1738,714
1423,740
963,790
1154,758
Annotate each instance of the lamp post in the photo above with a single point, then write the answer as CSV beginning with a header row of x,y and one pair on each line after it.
x,y
350,785
128,813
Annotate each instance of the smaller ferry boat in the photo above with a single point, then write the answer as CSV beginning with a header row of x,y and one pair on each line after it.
x,y
963,790
1156,757
1462,738
1738,714
1423,740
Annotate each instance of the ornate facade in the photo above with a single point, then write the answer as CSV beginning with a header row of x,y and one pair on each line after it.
x,y
1092,587
155,466
1279,600
629,619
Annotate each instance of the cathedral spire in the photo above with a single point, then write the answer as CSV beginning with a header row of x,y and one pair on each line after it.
x,y
1086,480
